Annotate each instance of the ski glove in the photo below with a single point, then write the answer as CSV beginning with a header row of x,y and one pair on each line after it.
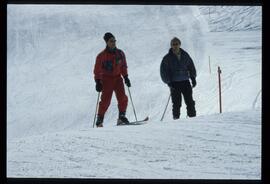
x,y
98,85
193,81
127,81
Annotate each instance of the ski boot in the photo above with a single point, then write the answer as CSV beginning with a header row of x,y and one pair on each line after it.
x,y
191,112
176,115
122,119
99,122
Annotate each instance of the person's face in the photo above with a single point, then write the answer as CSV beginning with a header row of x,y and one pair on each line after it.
x,y
111,43
175,46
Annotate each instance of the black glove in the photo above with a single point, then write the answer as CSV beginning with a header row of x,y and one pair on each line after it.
x,y
98,85
193,81
127,81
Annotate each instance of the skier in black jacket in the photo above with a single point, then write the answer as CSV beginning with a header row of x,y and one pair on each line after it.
x,y
176,69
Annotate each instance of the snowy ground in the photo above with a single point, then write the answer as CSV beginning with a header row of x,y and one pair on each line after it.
x,y
239,56
51,96
220,146
232,18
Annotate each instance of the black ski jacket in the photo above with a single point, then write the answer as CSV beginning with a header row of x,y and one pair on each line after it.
x,y
172,69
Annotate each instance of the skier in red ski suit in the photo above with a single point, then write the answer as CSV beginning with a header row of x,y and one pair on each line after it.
x,y
109,68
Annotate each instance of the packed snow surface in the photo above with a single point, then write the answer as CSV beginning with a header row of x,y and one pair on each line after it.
x,y
218,146
51,97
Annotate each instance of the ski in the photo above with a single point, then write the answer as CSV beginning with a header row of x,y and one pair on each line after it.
x,y
140,122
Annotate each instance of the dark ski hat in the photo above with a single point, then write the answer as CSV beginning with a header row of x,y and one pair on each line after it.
x,y
175,39
107,36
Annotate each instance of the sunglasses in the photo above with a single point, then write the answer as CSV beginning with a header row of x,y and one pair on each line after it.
x,y
174,44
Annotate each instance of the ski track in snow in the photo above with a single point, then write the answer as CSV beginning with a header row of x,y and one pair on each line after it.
x,y
218,18
256,99
51,95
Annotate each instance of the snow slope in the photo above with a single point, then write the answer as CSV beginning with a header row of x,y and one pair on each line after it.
x,y
232,18
51,56
226,146
51,94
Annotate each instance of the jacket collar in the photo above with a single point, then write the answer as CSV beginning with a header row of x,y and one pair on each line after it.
x,y
171,52
110,50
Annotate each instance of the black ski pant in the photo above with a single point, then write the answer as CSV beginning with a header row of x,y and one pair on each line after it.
x,y
178,89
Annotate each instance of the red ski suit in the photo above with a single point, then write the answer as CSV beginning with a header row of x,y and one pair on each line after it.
x,y
109,67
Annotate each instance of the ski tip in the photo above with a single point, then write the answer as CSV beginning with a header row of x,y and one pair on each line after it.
x,y
146,119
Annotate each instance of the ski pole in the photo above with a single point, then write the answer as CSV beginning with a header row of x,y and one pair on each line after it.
x,y
219,87
132,104
96,110
165,108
